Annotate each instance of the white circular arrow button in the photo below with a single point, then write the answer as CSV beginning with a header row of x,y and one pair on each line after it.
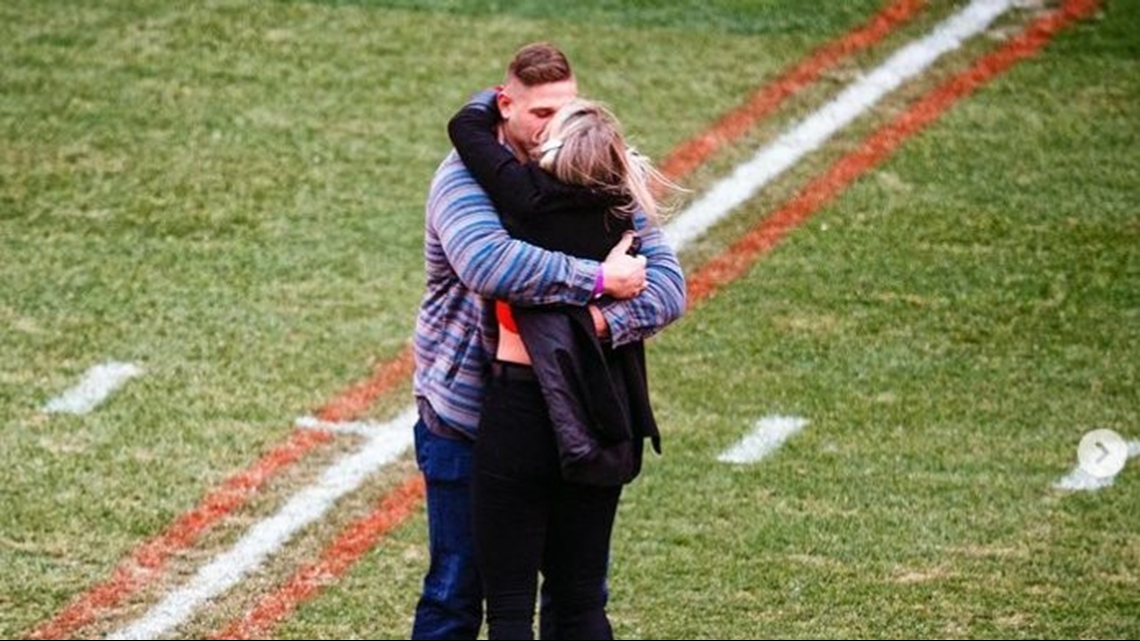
x,y
1102,453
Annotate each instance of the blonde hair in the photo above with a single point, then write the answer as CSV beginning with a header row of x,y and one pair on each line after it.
x,y
584,146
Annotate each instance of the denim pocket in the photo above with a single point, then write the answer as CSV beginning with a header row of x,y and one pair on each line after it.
x,y
440,458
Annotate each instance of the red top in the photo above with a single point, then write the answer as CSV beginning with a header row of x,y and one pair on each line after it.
x,y
506,318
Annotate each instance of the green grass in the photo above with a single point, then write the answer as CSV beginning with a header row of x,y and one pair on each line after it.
x,y
749,17
231,195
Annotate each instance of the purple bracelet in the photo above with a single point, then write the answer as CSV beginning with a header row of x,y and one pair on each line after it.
x,y
599,283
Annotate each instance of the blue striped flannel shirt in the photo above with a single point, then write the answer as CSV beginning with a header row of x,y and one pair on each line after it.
x,y
470,261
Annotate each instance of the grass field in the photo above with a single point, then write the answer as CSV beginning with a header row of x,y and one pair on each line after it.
x,y
230,195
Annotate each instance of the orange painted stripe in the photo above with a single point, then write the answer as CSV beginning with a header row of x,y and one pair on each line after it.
x,y
354,401
147,562
274,607
694,152
353,543
740,257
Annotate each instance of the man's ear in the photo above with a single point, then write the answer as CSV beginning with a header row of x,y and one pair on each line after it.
x,y
506,105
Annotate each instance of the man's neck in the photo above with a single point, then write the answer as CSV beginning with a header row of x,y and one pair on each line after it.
x,y
522,157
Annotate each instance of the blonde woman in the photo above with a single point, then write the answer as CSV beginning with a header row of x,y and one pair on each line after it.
x,y
566,412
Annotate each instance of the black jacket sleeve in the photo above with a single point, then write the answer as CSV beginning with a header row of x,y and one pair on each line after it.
x,y
518,189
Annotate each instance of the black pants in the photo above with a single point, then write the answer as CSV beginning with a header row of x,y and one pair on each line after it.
x,y
527,520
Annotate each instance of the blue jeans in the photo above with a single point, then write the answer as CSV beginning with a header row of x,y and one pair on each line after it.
x,y
451,605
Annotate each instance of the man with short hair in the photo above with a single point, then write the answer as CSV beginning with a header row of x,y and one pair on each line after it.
x,y
470,261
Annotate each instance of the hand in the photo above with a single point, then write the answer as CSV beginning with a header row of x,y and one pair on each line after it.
x,y
624,275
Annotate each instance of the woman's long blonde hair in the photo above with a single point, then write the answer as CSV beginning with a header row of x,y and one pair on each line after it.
x,y
585,146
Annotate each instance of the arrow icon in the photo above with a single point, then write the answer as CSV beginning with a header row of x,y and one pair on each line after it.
x,y
1102,453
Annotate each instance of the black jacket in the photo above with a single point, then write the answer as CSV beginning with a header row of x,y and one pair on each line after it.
x,y
597,395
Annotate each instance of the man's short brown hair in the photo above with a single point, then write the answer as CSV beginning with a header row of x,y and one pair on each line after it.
x,y
538,64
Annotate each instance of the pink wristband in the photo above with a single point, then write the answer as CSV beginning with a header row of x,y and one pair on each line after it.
x,y
599,283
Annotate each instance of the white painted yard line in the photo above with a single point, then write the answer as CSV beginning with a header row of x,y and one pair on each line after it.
x,y
96,386
265,538
1079,480
366,429
810,133
769,434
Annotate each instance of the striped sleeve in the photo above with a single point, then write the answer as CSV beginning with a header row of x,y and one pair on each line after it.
x,y
488,260
663,300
